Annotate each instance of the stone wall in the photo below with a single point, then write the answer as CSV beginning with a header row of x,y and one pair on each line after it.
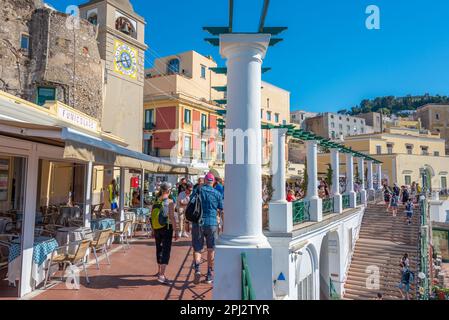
x,y
59,57
14,62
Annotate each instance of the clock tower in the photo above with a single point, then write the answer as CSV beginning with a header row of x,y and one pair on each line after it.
x,y
121,41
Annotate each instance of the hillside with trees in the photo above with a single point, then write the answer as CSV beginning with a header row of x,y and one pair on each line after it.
x,y
394,105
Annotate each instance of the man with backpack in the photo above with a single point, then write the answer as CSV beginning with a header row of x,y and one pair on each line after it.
x,y
409,211
205,226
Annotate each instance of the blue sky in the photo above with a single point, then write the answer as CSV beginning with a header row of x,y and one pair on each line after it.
x,y
328,60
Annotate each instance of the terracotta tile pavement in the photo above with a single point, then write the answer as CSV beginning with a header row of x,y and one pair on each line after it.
x,y
131,277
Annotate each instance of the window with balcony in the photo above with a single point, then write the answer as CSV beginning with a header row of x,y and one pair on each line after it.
x,y
378,149
149,119
203,72
45,94
268,115
276,117
187,116
203,122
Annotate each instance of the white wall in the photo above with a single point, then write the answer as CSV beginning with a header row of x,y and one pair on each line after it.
x,y
289,250
439,210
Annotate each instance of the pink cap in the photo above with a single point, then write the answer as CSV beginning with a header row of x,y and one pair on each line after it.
x,y
209,177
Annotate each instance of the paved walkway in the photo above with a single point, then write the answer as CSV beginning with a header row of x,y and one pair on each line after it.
x,y
131,277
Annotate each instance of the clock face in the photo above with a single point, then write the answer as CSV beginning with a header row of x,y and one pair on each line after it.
x,y
125,60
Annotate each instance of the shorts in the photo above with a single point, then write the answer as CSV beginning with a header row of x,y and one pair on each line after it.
x,y
114,206
409,214
200,233
404,287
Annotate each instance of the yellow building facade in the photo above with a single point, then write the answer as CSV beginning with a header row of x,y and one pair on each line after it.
x,y
404,153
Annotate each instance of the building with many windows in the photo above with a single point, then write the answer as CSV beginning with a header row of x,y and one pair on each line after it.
x,y
435,117
405,153
185,99
335,126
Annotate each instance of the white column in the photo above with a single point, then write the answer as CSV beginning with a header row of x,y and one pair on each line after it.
x,y
370,177
142,185
28,224
280,211
350,180
362,179
335,163
316,206
379,176
122,196
243,192
88,194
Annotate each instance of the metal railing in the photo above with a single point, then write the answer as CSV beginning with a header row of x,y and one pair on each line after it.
x,y
300,212
359,199
247,288
333,295
328,206
423,284
346,201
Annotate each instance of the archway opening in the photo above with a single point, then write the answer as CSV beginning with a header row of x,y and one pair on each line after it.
x,y
306,275
330,270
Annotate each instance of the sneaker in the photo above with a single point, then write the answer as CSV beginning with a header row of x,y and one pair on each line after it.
x,y
179,234
197,277
209,278
162,279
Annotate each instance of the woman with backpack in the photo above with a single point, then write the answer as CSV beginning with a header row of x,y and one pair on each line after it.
x,y
394,204
164,224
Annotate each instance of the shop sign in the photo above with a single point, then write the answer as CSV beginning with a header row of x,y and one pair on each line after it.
x,y
77,118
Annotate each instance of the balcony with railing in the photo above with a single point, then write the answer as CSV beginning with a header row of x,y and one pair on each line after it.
x,y
346,201
300,212
328,206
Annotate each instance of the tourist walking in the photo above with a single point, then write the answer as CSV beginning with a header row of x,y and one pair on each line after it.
x,y
290,196
387,197
206,228
404,195
394,204
182,185
164,224
409,211
183,201
396,190
404,285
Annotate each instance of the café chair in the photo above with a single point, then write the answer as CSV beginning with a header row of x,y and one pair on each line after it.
x,y
59,257
123,235
100,243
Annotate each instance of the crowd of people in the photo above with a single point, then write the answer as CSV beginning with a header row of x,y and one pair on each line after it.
x,y
169,221
408,197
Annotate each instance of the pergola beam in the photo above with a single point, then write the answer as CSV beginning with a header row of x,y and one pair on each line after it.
x,y
263,16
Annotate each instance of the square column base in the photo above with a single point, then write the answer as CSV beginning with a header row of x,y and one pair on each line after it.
x,y
363,196
280,217
228,271
352,199
315,209
338,203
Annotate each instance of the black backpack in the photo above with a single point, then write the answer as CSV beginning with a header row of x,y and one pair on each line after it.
x,y
194,210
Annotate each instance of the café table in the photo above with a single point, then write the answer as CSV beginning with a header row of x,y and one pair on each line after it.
x,y
69,235
102,224
42,250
